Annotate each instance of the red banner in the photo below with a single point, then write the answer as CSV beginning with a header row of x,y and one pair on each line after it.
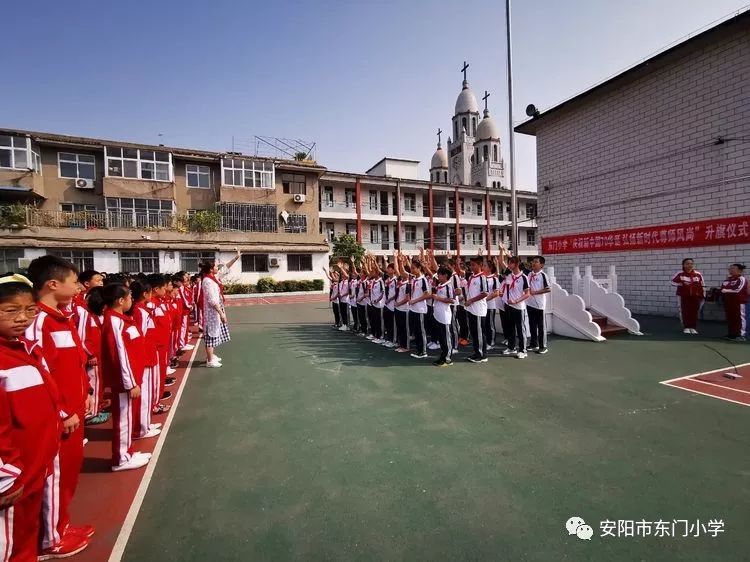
x,y
713,232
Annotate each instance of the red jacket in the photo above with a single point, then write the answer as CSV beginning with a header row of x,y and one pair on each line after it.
x,y
63,351
734,289
145,323
89,330
186,296
689,284
162,322
123,352
29,416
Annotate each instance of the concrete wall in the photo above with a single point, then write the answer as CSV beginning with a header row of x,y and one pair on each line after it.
x,y
645,153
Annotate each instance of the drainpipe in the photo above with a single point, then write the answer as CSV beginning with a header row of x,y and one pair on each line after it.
x,y
358,201
458,223
432,225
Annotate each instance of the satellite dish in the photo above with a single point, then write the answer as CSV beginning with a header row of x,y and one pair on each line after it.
x,y
532,111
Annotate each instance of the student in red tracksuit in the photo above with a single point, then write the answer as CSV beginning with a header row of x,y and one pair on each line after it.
x,y
30,425
89,330
734,293
182,279
55,283
141,293
162,331
690,292
175,309
123,360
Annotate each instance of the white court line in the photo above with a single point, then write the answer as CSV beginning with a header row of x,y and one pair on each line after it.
x,y
127,527
704,393
722,386
706,373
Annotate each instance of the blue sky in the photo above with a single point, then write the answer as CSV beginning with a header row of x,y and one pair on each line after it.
x,y
363,79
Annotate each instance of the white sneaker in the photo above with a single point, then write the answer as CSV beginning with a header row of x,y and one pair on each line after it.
x,y
418,356
509,352
535,348
152,432
521,355
490,347
155,426
187,347
433,346
376,340
134,462
140,454
344,329
171,371
217,358
686,331
370,337
694,331
213,364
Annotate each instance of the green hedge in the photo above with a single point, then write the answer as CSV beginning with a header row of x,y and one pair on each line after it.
x,y
269,285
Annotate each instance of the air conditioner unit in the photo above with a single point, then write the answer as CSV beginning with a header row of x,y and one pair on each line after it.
x,y
83,183
274,262
299,198
24,263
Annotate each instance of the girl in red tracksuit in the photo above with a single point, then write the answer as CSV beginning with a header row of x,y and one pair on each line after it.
x,y
162,330
123,360
30,425
734,293
90,332
690,292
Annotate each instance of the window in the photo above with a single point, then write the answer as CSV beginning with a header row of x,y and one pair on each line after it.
x,y
461,205
328,196
138,164
77,207
294,184
350,197
247,173
14,152
254,263
374,200
83,259
299,262
494,153
492,209
191,261
410,234
463,124
9,259
507,210
531,238
410,202
530,211
473,126
451,207
249,217
494,237
124,212
463,235
455,129
445,177
477,204
143,262
374,234
485,153
479,236
296,224
330,231
76,166
351,229
198,177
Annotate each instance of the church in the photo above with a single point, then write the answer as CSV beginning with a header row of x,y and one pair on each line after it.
x,y
473,156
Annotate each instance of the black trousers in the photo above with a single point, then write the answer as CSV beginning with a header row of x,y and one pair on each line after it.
x,y
355,317
389,322
344,313
402,328
376,321
431,325
463,323
454,328
420,333
515,327
536,327
362,313
443,333
504,323
489,327
476,325
336,315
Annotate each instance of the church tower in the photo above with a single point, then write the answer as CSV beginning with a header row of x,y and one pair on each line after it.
x,y
488,169
439,164
465,122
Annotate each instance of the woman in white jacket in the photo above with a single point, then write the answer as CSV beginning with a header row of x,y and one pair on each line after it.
x,y
216,330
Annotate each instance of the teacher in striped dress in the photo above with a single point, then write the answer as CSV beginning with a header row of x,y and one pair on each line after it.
x,y
215,330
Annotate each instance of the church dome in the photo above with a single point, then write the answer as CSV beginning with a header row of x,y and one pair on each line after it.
x,y
467,101
439,159
487,128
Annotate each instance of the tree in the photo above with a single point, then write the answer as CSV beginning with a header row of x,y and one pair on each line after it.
x,y
346,246
300,156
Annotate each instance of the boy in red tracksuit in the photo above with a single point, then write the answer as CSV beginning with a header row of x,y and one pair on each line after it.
x,y
89,330
162,333
184,296
176,309
29,425
123,361
55,283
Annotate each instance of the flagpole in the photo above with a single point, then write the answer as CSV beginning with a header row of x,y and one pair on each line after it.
x,y
512,145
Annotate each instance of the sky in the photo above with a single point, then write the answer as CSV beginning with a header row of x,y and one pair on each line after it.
x,y
360,79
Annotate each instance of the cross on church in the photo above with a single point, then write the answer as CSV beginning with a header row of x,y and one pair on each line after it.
x,y
439,133
486,95
466,65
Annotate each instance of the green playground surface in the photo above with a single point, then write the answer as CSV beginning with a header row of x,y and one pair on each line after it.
x,y
311,444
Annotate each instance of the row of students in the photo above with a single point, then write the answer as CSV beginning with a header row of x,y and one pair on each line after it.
x,y
420,300
64,340
691,290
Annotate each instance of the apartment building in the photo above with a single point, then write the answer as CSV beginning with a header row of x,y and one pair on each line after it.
x,y
386,213
120,206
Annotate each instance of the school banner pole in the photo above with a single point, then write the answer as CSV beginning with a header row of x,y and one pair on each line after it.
x,y
511,143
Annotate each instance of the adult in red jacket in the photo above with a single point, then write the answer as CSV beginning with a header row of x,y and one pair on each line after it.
x,y
734,293
123,361
690,293
29,425
54,330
